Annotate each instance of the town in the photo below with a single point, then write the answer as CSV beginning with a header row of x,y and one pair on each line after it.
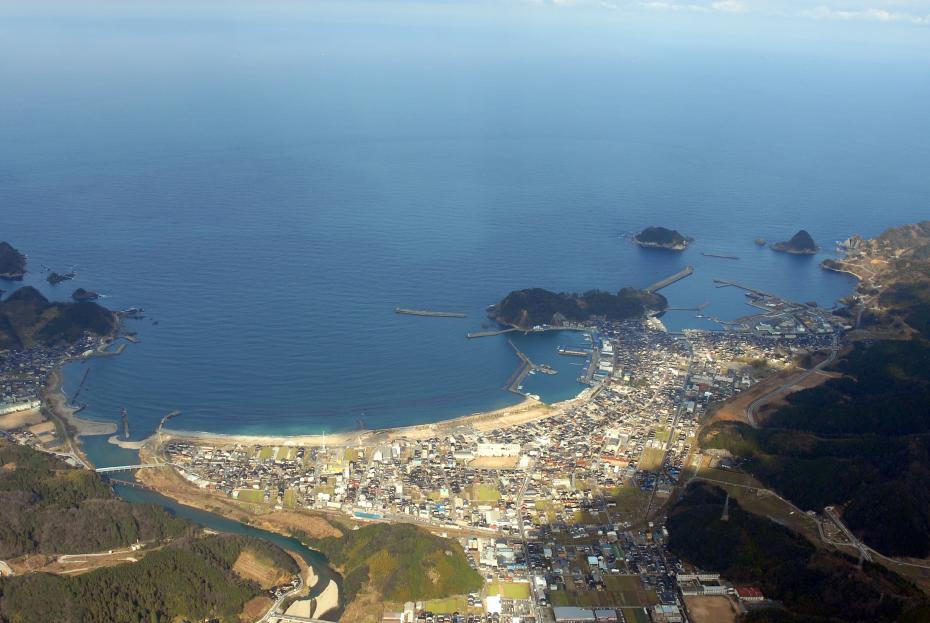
x,y
562,515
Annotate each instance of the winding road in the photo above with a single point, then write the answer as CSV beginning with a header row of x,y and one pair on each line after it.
x,y
755,404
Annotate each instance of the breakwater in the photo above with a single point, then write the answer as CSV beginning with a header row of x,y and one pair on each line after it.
x,y
664,283
430,314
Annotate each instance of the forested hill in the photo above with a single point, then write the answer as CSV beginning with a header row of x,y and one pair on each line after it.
x,y
861,442
48,507
191,579
536,306
28,318
814,585
400,562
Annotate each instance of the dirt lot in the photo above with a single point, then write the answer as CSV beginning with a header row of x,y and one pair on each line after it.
x,y
495,462
255,608
251,567
13,421
711,609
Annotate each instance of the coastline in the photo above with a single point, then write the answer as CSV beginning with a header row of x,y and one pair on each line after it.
x,y
54,397
528,410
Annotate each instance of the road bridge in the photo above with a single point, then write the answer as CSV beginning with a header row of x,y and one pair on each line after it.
x,y
127,468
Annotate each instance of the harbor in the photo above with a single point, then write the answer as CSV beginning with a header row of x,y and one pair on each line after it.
x,y
526,367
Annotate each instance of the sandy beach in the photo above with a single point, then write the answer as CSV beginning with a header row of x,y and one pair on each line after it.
x,y
57,402
528,410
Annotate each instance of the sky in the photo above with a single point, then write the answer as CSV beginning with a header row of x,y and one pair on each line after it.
x,y
887,11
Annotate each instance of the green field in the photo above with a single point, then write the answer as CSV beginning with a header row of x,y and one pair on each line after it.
x,y
510,590
622,591
485,493
635,615
252,495
447,605
265,453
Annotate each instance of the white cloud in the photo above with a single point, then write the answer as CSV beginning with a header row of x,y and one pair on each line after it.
x,y
868,13
885,11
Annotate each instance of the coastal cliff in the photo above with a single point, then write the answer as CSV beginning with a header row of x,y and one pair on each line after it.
x,y
800,244
528,308
662,238
12,263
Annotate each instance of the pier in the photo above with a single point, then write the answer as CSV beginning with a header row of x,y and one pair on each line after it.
x,y
722,283
582,329
125,417
696,308
100,352
526,366
490,333
573,352
431,314
722,256
664,283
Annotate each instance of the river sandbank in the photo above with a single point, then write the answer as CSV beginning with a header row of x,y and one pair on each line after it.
x,y
327,600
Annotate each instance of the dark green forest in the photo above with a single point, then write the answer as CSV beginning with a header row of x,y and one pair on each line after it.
x,y
861,441
814,585
536,306
48,507
190,578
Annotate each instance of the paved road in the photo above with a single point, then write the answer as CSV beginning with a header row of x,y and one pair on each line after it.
x,y
755,404
277,604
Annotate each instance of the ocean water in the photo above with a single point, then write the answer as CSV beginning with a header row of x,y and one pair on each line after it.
x,y
268,181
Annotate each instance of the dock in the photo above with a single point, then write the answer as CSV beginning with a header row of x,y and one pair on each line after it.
x,y
722,283
523,370
696,308
722,256
430,314
664,283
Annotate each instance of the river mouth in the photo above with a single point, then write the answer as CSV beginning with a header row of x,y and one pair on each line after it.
x,y
104,454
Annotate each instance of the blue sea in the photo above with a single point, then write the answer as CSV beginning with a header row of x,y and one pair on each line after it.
x,y
270,180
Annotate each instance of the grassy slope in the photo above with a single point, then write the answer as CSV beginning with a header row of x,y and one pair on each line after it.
x,y
401,562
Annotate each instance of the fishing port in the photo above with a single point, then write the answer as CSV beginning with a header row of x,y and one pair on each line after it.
x,y
427,313
526,367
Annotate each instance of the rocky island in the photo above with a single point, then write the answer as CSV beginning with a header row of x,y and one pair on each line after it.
x,y
532,307
84,295
12,263
56,278
662,238
800,244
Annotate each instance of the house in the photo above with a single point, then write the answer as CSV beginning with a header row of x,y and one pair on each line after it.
x,y
572,614
750,594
